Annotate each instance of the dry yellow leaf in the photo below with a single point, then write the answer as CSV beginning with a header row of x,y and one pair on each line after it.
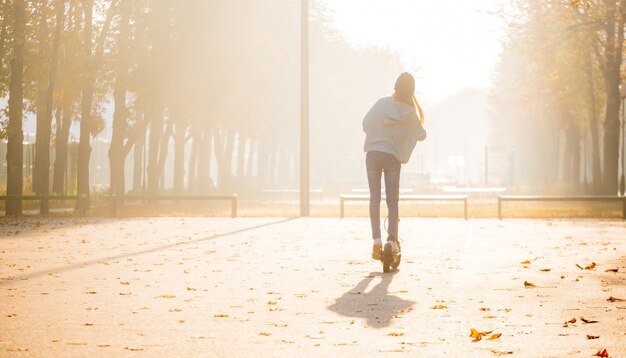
x,y
494,336
478,335
439,307
529,284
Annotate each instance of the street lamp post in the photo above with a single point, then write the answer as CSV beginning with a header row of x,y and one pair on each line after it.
x,y
304,111
622,182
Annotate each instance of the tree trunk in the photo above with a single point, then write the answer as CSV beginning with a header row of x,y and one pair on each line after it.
x,y
16,106
138,162
595,136
84,147
40,107
576,150
163,150
567,157
224,155
156,132
262,163
241,148
204,161
179,157
571,163
117,158
92,61
64,121
192,165
43,139
614,45
250,157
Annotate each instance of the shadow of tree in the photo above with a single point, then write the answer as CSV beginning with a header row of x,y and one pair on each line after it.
x,y
377,306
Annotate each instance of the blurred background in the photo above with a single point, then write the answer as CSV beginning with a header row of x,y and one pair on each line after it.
x,y
203,97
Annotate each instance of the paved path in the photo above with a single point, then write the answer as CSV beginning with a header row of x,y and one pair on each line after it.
x,y
306,287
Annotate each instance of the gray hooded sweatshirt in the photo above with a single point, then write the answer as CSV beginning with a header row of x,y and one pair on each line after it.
x,y
392,127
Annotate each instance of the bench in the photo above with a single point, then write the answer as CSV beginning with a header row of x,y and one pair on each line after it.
x,y
114,200
351,197
38,197
561,198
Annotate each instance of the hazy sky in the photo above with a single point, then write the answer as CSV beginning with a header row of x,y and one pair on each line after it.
x,y
448,44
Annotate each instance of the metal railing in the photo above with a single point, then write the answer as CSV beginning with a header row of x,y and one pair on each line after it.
x,y
352,197
115,200
543,198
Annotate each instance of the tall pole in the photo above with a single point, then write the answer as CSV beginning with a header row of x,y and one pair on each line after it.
x,y
622,184
304,111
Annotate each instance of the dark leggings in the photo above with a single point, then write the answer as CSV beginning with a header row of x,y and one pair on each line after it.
x,y
377,163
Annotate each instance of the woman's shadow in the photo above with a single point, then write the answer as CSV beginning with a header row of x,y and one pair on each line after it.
x,y
376,305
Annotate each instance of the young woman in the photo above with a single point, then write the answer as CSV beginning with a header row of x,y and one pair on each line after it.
x,y
392,127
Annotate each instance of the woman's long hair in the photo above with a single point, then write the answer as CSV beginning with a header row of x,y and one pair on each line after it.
x,y
405,92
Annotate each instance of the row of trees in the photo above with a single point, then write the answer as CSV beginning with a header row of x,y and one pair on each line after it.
x,y
166,66
557,89
217,80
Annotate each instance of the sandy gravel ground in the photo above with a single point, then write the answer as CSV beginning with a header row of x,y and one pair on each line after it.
x,y
307,287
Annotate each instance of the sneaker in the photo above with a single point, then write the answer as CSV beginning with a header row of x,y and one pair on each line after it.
x,y
377,249
395,247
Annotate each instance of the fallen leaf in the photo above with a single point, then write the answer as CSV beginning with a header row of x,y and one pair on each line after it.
x,y
264,334
615,299
603,353
592,337
588,267
124,283
612,270
220,315
529,284
546,270
500,353
394,334
527,262
87,324
587,320
494,336
478,335
573,320
439,307
134,349
191,289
